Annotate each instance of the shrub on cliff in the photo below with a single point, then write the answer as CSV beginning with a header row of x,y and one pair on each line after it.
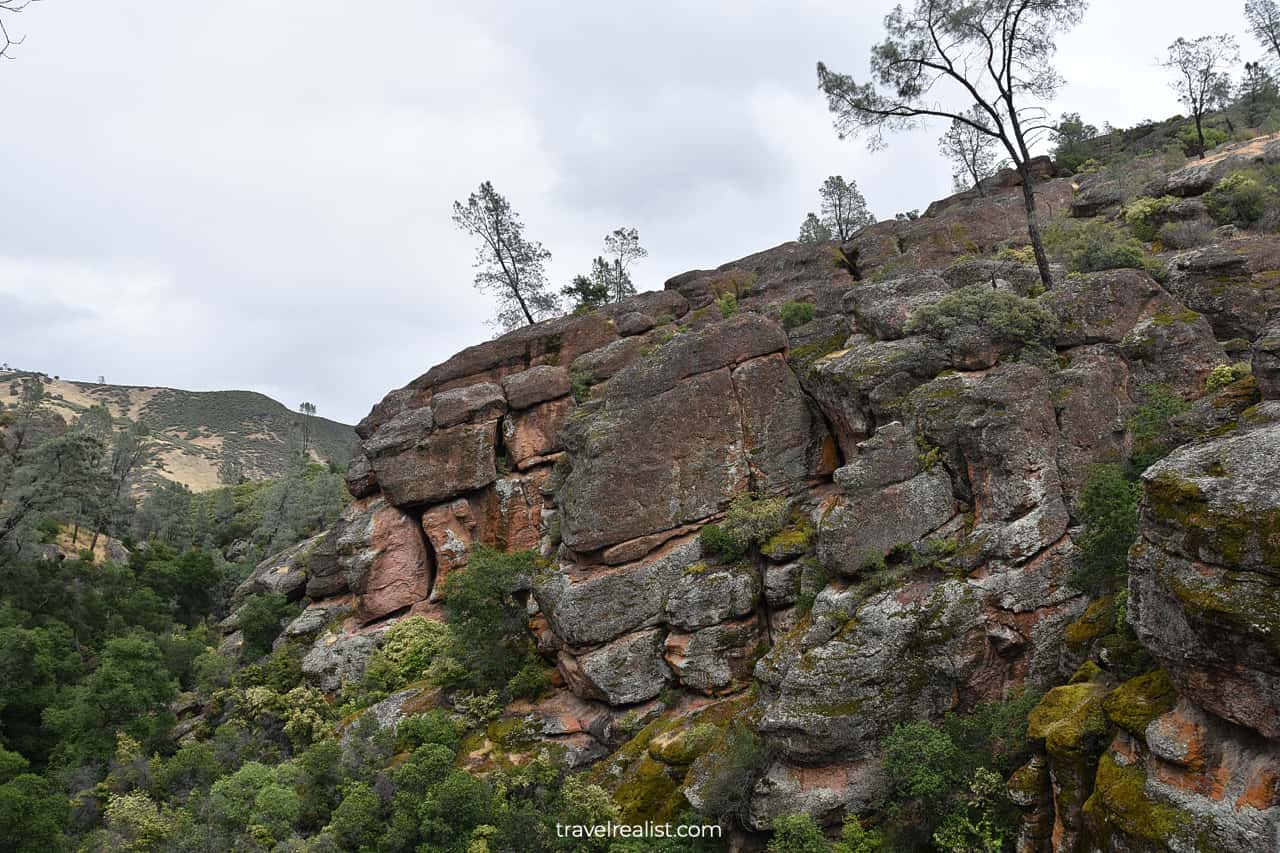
x,y
1093,245
749,521
1001,315
794,314
1242,198
487,617
261,619
1109,509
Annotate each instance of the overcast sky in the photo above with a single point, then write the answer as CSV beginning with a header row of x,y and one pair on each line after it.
x,y
257,195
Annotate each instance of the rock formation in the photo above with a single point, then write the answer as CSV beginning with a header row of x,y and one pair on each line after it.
x,y
926,496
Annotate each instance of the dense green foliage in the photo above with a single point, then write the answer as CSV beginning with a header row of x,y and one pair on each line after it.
x,y
978,309
1108,506
795,314
1092,245
1243,198
945,778
1154,434
750,521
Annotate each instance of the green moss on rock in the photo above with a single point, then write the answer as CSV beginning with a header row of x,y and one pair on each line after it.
x,y
1069,720
1097,621
1140,700
1119,803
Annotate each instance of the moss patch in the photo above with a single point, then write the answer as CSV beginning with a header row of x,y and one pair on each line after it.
x,y
1233,535
789,542
1096,621
1069,720
1119,802
1140,700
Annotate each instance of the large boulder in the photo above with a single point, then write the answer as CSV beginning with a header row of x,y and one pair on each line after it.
x,y
630,669
1204,582
837,689
439,465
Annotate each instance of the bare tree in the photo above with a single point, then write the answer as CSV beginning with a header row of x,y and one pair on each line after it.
x,y
308,411
1202,78
972,153
7,41
507,264
1263,17
993,54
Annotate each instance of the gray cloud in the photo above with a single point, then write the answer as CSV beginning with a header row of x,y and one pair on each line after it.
x,y
207,198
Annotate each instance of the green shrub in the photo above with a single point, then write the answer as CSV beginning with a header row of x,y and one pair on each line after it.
x,y
1146,215
718,542
856,839
261,620
1213,137
749,521
486,616
1094,245
1240,198
1223,375
357,821
411,652
1019,255
1151,426
433,727
731,769
999,314
1108,507
728,304
797,833
931,768
794,314
532,680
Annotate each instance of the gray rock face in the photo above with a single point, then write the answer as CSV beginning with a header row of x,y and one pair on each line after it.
x,y
1266,362
721,345
482,401
653,464
1173,348
535,385
865,383
1204,581
626,671
856,530
714,658
882,308
633,323
336,660
284,573
442,465
784,437
701,598
598,606
1091,397
899,655
1102,307
1234,284
827,793
998,428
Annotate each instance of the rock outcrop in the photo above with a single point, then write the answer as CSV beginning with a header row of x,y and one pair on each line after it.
x,y
901,512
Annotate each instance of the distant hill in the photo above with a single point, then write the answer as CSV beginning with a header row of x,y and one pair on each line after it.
x,y
196,428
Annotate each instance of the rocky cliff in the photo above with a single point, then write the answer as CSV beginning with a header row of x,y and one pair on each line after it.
x,y
906,511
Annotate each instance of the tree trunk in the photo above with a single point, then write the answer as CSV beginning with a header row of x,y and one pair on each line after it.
x,y
1199,137
1033,225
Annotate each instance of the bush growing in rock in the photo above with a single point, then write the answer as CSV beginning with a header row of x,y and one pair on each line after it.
x,y
1005,317
1241,198
261,620
1151,426
1093,245
411,650
487,618
932,769
1109,510
1145,215
749,521
1224,374
794,314
797,834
